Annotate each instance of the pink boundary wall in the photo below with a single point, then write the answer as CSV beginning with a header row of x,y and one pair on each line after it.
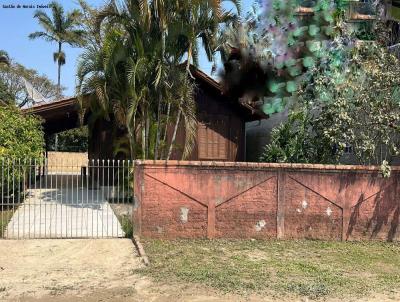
x,y
253,200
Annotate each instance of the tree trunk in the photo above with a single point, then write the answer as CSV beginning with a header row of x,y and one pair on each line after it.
x,y
56,142
131,145
147,134
166,129
174,135
131,126
143,137
158,128
59,71
159,102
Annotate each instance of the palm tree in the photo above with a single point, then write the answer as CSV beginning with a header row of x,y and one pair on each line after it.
x,y
61,28
192,20
135,73
198,19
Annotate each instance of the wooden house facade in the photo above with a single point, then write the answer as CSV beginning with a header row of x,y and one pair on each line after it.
x,y
220,130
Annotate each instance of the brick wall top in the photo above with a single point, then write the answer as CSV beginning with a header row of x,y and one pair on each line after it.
x,y
249,165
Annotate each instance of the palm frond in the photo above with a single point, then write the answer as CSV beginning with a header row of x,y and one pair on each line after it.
x,y
40,34
58,16
45,21
134,74
73,18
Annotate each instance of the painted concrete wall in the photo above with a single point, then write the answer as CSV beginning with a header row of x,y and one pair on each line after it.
x,y
249,200
66,162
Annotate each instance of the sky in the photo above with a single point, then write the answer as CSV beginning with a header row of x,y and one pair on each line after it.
x,y
17,23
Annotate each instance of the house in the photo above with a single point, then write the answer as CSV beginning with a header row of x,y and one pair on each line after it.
x,y
220,132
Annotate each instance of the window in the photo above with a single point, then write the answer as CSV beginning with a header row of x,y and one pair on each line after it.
x,y
212,138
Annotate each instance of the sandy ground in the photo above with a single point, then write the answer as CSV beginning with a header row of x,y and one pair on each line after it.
x,y
96,270
38,268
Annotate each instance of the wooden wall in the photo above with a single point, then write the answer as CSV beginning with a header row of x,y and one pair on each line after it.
x,y
220,131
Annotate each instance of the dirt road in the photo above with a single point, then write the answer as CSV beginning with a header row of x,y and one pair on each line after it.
x,y
38,268
83,270
95,270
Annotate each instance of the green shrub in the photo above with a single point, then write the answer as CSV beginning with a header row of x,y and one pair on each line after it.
x,y
21,139
21,136
73,140
298,140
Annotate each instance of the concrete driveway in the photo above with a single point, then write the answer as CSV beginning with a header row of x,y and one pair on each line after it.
x,y
64,213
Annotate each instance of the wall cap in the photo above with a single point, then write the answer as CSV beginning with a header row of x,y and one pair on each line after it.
x,y
247,165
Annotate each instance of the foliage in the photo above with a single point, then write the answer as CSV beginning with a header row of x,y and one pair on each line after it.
x,y
21,139
61,28
366,31
4,59
74,140
292,45
5,95
363,108
20,86
298,140
126,225
354,104
21,136
267,56
132,74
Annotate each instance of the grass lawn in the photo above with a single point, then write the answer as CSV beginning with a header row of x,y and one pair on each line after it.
x,y
5,217
313,269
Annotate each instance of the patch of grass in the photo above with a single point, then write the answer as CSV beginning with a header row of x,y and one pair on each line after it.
x,y
123,212
127,225
312,290
5,217
313,269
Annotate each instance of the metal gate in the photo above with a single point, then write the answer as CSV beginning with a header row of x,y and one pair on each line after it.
x,y
61,199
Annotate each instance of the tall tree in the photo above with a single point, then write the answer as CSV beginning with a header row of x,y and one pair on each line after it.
x,y
61,28
21,86
291,45
5,96
353,106
136,74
